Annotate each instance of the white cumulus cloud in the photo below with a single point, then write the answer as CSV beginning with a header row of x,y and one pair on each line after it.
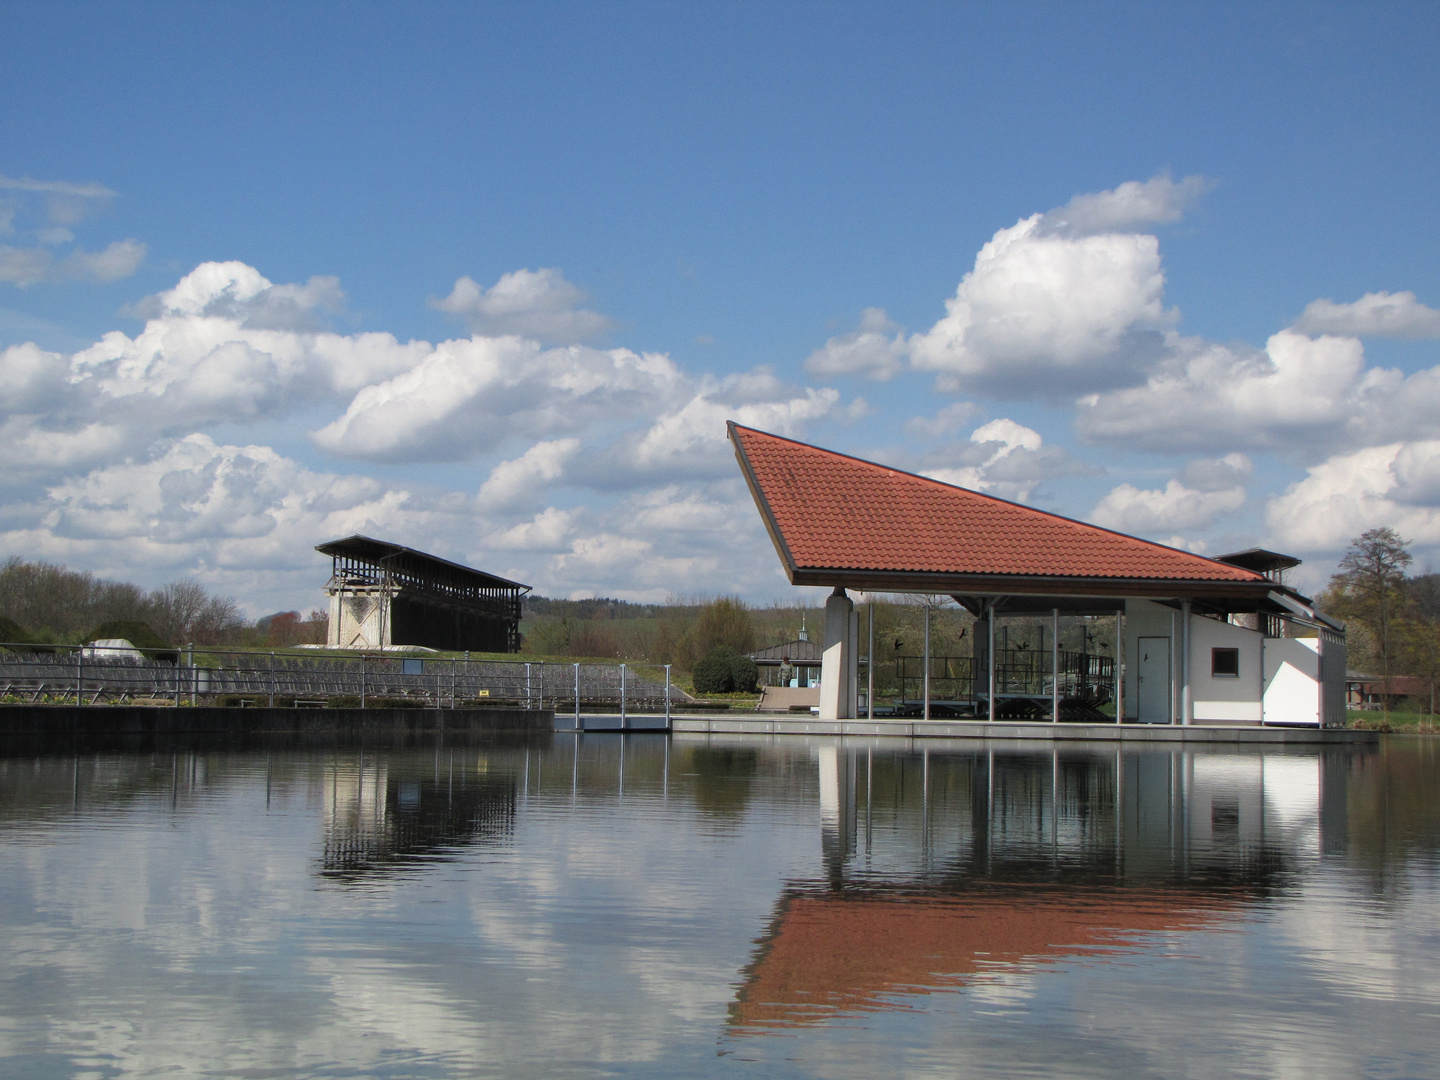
x,y
526,476
112,458
1045,313
550,530
876,350
1396,485
31,266
475,394
1294,392
1147,511
540,304
1002,458
1134,205
1376,314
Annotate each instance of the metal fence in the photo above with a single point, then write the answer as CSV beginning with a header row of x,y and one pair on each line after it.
x,y
92,675
1018,672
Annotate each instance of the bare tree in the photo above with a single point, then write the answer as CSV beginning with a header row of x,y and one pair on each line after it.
x,y
1370,587
185,612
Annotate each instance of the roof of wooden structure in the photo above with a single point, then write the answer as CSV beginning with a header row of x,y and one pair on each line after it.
x,y
842,521
418,567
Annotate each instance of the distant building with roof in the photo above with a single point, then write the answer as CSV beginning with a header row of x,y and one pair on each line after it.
x,y
384,595
790,663
1199,640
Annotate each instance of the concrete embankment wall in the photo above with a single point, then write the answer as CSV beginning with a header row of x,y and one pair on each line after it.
x,y
152,720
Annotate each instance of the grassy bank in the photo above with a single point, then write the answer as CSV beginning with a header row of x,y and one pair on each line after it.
x,y
1400,722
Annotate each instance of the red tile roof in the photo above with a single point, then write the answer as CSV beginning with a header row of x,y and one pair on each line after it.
x,y
829,511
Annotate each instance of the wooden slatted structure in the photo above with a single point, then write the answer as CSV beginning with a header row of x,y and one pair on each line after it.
x,y
384,594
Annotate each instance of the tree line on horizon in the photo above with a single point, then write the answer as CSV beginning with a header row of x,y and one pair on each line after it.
x,y
45,604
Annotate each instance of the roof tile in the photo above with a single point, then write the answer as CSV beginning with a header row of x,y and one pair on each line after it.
x,y
838,512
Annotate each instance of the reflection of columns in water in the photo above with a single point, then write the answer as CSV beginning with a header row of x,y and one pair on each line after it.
x,y
837,808
1119,804
869,787
1138,815
925,806
1054,799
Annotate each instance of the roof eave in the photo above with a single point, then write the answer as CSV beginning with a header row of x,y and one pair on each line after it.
x,y
927,581
763,505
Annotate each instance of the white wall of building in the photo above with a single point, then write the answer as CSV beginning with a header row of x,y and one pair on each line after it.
x,y
1292,681
1280,680
1221,697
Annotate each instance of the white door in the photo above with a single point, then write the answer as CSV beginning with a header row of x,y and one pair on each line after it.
x,y
1152,681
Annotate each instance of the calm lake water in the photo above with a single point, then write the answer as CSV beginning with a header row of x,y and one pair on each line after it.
x,y
650,907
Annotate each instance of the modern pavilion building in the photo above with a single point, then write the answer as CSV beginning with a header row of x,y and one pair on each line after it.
x,y
384,595
1198,641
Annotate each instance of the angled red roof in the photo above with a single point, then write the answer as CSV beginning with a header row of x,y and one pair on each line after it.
x,y
826,511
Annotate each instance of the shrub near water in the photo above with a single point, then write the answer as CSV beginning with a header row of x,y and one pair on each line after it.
x,y
724,671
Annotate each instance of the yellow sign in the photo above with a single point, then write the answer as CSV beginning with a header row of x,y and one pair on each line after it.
x,y
483,693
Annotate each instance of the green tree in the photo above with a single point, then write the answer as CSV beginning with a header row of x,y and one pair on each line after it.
x,y
1370,588
1420,644
725,621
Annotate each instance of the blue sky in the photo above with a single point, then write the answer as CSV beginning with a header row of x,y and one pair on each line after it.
x,y
232,237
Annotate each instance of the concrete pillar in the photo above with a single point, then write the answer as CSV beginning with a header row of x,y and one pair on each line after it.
x,y
1187,698
838,668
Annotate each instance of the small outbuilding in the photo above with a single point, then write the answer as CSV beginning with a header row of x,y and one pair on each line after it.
x,y
792,663
384,595
1198,640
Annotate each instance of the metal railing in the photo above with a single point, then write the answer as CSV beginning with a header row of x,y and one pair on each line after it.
x,y
194,675
1082,675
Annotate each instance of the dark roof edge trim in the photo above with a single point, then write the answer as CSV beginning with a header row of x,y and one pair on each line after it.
x,y
928,581
337,548
761,503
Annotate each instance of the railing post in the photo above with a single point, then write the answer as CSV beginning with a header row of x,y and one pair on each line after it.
x,y
80,674
1055,665
577,697
362,680
870,667
272,679
527,686
667,695
192,674
926,662
177,678
622,697
454,680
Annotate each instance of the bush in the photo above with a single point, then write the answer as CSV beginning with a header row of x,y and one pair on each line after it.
x,y
12,633
714,674
744,675
724,671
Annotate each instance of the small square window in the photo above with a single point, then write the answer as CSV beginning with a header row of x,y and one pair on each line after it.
x,y
1225,663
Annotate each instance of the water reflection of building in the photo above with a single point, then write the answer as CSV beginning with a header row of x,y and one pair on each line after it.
x,y
943,868
388,814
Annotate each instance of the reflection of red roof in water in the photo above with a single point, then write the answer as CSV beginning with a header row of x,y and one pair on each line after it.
x,y
835,954
826,510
